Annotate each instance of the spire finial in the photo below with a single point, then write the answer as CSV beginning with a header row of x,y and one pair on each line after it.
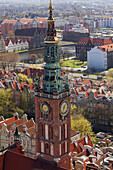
x,y
50,6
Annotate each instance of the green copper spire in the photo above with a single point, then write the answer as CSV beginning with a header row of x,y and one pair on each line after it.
x,y
52,80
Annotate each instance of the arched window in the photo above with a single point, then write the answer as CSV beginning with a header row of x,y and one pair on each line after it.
x,y
51,133
51,150
65,130
42,131
60,149
46,131
60,133
41,115
46,116
65,146
51,115
52,52
42,146
47,148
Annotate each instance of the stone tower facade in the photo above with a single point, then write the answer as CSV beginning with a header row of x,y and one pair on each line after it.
x,y
52,105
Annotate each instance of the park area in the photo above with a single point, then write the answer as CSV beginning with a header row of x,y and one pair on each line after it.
x,y
72,63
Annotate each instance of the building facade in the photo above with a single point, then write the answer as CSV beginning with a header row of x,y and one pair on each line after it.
x,y
52,106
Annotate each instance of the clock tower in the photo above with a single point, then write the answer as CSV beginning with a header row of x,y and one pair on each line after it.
x,y
52,105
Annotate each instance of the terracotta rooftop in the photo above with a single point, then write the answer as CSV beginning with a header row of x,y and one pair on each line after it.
x,y
73,133
30,123
105,48
9,21
83,40
8,121
78,145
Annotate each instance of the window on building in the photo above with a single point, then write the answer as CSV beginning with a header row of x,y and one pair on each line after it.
x,y
65,130
66,147
41,115
48,51
46,131
51,150
51,133
42,146
42,133
52,51
51,115
46,116
33,142
60,149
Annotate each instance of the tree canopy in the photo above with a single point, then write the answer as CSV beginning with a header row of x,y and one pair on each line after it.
x,y
81,124
109,75
24,78
7,107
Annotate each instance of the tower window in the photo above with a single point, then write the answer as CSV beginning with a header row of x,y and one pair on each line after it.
x,y
46,116
46,131
47,146
51,150
51,115
48,51
42,130
56,49
51,133
52,51
41,115
42,146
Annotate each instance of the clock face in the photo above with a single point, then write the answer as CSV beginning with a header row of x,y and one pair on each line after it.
x,y
45,108
64,107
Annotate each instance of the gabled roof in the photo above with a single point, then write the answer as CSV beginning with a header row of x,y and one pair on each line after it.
x,y
8,121
30,123
74,133
85,82
78,145
26,21
6,21
41,19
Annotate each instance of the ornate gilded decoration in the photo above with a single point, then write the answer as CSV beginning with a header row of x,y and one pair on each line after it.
x,y
64,107
45,108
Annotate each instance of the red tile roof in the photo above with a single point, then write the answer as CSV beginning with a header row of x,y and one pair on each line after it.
x,y
77,146
8,121
30,123
106,48
86,82
73,133
26,21
6,21
83,40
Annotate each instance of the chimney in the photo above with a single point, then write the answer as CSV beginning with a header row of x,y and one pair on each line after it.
x,y
24,118
16,116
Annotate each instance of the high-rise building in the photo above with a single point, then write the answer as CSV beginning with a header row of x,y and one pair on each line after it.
x,y
52,105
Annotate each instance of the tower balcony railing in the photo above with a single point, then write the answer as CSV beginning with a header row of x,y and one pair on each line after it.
x,y
56,96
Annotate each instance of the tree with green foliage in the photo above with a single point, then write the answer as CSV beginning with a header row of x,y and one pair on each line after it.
x,y
76,110
81,124
7,107
24,78
23,101
109,75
